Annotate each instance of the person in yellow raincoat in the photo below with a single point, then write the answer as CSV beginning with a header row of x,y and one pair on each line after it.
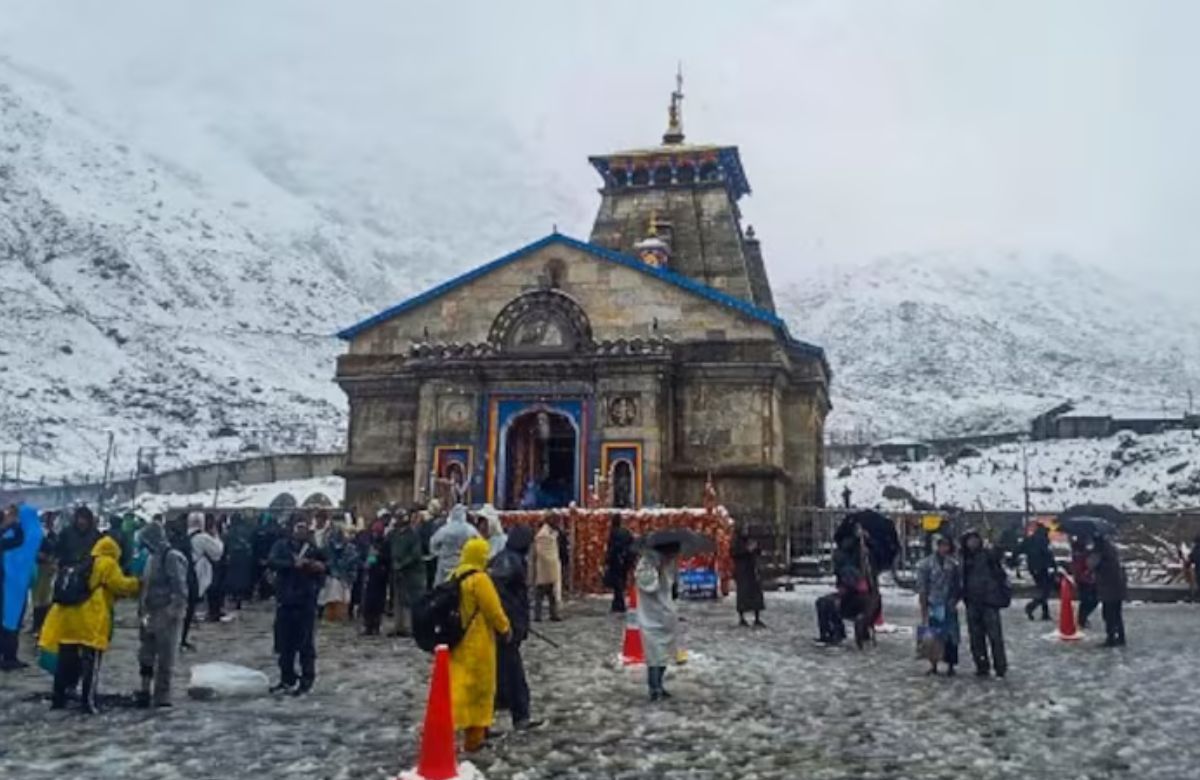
x,y
80,634
473,660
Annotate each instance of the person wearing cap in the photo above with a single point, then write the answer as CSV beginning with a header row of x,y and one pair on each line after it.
x,y
939,585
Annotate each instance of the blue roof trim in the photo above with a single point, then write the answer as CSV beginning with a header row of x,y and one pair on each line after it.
x,y
679,280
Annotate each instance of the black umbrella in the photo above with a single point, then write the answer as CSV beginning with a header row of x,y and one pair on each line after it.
x,y
882,538
687,541
1106,512
1081,525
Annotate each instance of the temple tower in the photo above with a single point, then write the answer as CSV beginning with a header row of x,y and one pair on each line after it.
x,y
690,192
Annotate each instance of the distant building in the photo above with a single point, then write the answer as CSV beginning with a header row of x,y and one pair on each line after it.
x,y
1068,421
899,450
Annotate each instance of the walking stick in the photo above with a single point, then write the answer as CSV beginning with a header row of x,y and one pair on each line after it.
x,y
545,639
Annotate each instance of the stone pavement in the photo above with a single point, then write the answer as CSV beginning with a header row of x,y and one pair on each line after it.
x,y
750,704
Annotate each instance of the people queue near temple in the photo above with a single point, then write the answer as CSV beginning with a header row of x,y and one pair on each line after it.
x,y
333,569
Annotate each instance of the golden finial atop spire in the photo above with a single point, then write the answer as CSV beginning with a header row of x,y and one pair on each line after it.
x,y
674,134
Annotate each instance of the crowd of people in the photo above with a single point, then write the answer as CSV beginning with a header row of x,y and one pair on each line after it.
x,y
972,573
403,563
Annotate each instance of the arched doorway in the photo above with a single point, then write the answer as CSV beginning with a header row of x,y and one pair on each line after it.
x,y
541,456
621,480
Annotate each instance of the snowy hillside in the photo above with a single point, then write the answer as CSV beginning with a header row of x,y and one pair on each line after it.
x,y
1149,472
144,297
937,344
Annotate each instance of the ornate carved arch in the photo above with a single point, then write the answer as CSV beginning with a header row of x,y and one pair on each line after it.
x,y
542,321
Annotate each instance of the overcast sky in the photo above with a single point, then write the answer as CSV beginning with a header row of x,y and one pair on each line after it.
x,y
866,128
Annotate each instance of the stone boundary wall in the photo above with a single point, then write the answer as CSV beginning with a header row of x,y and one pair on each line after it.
x,y
189,479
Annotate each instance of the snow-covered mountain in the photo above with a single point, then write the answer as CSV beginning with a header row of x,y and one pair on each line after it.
x,y
183,296
190,309
945,344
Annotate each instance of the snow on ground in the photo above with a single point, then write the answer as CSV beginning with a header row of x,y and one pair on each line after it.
x,y
1149,472
755,705
235,495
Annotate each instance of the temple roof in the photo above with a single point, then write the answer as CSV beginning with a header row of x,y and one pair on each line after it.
x,y
650,157
663,274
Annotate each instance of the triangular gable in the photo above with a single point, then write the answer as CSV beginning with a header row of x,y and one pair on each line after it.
x,y
678,280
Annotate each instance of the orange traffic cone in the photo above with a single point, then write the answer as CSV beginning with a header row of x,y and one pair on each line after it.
x,y
437,760
632,651
1067,630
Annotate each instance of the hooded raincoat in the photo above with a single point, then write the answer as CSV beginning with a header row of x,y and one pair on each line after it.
x,y
473,660
90,623
19,566
654,576
448,542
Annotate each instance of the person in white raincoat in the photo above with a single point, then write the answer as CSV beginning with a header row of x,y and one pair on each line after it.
x,y
654,576
496,538
448,542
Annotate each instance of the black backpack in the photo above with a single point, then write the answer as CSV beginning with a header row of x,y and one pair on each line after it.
x,y
71,583
436,617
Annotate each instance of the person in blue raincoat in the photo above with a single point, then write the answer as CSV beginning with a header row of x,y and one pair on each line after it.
x,y
20,538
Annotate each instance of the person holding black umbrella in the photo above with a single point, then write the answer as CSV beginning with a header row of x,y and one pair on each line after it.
x,y
1040,560
1105,561
655,573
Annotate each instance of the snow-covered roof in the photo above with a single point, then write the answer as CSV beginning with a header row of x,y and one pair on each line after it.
x,y
1121,414
900,441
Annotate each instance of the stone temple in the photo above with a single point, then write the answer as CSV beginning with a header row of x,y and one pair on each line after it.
x,y
636,364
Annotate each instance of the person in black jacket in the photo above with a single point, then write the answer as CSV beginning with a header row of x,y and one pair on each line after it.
x,y
1040,560
76,541
618,561
509,572
745,573
1105,561
299,568
377,576
986,591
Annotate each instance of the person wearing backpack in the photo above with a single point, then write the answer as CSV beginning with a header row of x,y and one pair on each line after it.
x,y
986,591
80,622
76,541
473,658
299,567
161,609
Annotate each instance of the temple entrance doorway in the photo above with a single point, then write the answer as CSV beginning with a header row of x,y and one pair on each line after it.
x,y
541,450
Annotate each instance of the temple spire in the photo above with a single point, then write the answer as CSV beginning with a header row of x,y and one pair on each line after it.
x,y
674,134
